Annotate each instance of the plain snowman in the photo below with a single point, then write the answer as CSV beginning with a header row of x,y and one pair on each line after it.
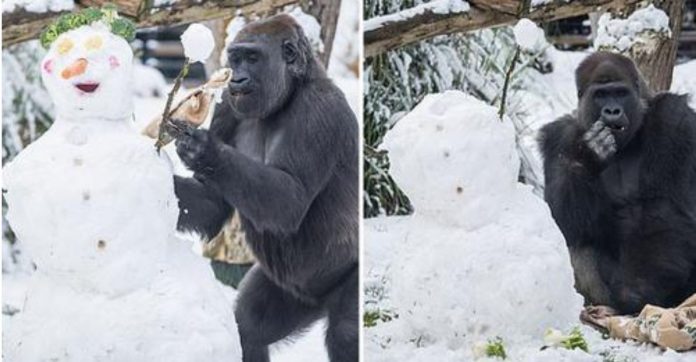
x,y
93,204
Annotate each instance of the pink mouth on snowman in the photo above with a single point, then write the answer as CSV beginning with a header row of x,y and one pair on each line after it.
x,y
87,87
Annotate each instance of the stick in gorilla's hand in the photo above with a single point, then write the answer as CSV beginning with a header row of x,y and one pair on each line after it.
x,y
192,109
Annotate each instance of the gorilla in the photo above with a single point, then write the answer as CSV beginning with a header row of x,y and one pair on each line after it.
x,y
282,150
621,185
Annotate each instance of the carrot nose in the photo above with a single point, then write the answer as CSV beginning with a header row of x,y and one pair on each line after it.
x,y
76,68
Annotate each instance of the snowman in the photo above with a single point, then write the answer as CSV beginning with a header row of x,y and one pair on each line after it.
x,y
481,256
93,203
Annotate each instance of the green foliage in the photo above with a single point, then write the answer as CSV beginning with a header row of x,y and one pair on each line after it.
x,y
575,340
495,348
123,28
371,318
119,26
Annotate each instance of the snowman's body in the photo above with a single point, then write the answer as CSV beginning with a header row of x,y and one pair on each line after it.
x,y
93,203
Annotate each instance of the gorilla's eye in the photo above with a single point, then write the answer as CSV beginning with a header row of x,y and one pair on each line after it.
x,y
234,58
252,58
601,93
621,92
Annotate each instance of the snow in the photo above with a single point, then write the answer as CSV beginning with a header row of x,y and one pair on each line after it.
x,y
146,84
473,224
310,26
638,28
148,81
345,55
37,6
233,28
537,3
198,43
434,7
93,205
158,3
529,37
452,282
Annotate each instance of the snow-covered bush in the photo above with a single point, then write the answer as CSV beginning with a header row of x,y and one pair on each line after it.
x,y
394,82
26,107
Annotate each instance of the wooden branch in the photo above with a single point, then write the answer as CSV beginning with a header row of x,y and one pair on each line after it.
x,y
27,25
194,11
21,25
483,14
326,12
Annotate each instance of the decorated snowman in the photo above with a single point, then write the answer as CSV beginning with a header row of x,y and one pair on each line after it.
x,y
93,203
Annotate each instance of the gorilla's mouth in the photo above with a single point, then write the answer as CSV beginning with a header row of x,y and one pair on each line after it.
x,y
239,92
87,87
616,127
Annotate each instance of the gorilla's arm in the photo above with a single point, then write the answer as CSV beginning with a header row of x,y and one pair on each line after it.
x,y
275,196
572,186
201,209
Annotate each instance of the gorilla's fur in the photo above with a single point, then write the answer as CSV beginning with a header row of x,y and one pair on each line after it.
x,y
282,150
621,185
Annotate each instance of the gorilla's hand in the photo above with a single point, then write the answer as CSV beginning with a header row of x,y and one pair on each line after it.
x,y
198,150
600,141
177,127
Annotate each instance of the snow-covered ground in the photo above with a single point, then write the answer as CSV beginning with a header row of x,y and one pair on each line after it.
x,y
150,91
481,256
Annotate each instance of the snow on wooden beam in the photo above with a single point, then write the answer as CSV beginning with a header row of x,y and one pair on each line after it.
x,y
383,34
21,25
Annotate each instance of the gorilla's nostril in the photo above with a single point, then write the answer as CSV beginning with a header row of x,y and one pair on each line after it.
x,y
612,112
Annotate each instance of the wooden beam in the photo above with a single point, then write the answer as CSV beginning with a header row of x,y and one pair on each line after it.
x,y
483,14
19,26
189,11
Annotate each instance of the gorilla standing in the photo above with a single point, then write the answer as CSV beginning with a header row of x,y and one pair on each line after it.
x,y
282,150
621,185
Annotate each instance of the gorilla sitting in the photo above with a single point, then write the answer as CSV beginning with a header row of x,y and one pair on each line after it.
x,y
282,150
621,185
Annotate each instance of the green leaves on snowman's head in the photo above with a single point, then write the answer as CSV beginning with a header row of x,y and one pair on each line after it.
x,y
107,14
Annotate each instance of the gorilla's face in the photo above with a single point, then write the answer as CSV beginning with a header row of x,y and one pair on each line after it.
x,y
617,105
268,59
609,88
260,83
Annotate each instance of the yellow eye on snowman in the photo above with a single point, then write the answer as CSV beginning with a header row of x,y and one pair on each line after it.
x,y
64,46
94,43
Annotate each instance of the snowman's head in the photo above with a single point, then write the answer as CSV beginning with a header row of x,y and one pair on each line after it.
x,y
87,72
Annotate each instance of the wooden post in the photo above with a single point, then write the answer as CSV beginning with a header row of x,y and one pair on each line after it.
x,y
657,64
326,12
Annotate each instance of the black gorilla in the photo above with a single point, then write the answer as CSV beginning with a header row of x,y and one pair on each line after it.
x,y
621,185
282,150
